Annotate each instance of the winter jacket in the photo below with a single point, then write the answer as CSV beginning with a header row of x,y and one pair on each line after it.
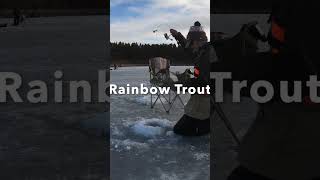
x,y
283,142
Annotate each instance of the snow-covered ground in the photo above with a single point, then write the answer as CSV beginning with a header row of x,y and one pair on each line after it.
x,y
47,140
143,145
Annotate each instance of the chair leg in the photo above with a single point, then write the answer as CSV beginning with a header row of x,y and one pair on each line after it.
x,y
154,103
167,110
172,98
181,100
176,96
151,101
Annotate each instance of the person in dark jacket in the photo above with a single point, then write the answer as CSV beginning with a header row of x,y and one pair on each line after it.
x,y
283,142
196,118
16,16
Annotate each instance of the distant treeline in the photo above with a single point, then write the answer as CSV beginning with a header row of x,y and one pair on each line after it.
x,y
134,53
55,4
55,7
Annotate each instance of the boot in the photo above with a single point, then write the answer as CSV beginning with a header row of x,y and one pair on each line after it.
x,y
188,126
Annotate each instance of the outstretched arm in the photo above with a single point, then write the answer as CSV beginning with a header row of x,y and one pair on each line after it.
x,y
181,40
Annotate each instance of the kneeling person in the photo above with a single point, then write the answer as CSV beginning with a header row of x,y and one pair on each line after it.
x,y
196,118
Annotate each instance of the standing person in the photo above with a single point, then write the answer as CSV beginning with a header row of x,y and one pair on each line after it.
x,y
283,142
196,118
16,16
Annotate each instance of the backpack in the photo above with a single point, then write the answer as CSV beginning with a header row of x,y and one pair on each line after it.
x,y
292,32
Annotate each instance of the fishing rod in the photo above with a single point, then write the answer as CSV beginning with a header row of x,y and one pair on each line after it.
x,y
159,29
218,109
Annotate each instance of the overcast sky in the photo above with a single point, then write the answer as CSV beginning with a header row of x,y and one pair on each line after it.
x,y
135,20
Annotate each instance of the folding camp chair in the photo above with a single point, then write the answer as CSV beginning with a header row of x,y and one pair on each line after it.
x,y
159,69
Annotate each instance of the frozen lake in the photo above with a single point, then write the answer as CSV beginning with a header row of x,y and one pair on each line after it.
x,y
143,145
45,140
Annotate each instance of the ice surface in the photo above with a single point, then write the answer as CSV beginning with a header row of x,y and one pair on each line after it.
x,y
143,145
202,156
145,100
128,145
151,128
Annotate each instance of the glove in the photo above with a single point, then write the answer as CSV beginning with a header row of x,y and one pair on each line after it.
x,y
184,77
174,32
